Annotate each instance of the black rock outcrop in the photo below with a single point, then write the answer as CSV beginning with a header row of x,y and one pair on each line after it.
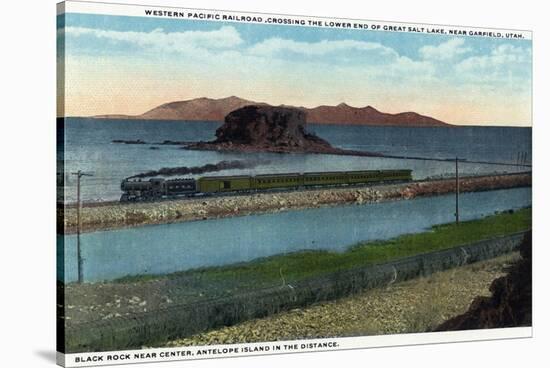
x,y
266,128
265,125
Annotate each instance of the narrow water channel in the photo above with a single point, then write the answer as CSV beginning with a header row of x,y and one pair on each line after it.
x,y
160,249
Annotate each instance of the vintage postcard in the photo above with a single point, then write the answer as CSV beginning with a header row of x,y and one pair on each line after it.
x,y
239,184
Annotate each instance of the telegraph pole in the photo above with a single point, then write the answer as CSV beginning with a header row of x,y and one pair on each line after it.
x,y
79,174
457,190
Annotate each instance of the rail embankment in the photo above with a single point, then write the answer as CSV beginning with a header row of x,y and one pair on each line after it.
x,y
119,215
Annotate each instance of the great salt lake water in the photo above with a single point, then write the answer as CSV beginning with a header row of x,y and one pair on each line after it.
x,y
161,249
86,144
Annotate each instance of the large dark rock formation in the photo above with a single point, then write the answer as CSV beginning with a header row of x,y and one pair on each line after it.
x,y
266,128
510,304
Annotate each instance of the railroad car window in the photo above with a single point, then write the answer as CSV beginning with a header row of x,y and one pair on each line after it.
x,y
226,185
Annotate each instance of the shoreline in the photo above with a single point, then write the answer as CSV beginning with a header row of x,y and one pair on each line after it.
x,y
115,215
182,305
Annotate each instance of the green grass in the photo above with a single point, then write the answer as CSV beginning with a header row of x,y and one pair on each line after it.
x,y
304,264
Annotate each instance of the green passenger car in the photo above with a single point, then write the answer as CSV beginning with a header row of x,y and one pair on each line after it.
x,y
398,175
214,184
272,181
358,177
325,178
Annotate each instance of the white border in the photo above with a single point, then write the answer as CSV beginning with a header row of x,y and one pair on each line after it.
x,y
350,343
283,347
84,7
27,317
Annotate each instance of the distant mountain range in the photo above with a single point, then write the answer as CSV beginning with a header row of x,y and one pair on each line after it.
x,y
216,109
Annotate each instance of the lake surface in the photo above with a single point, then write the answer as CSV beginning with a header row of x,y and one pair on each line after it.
x,y
161,249
88,147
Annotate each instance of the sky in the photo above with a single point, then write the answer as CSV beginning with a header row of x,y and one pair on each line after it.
x,y
129,65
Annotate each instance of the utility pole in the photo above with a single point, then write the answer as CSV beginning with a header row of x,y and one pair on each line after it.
x,y
79,174
457,190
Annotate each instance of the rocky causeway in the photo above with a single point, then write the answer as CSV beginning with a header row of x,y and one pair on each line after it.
x,y
120,215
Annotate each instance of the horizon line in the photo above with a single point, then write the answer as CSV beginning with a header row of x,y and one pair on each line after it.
x,y
98,116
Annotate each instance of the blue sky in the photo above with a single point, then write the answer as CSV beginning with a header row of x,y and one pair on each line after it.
x,y
465,80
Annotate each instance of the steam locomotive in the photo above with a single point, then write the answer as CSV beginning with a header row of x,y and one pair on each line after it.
x,y
158,188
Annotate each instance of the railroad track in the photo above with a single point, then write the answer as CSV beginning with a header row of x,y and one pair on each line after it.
x,y
287,190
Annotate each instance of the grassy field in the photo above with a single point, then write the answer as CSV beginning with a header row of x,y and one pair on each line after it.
x,y
304,264
296,266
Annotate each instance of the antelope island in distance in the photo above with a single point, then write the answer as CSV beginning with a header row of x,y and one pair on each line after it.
x,y
208,109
